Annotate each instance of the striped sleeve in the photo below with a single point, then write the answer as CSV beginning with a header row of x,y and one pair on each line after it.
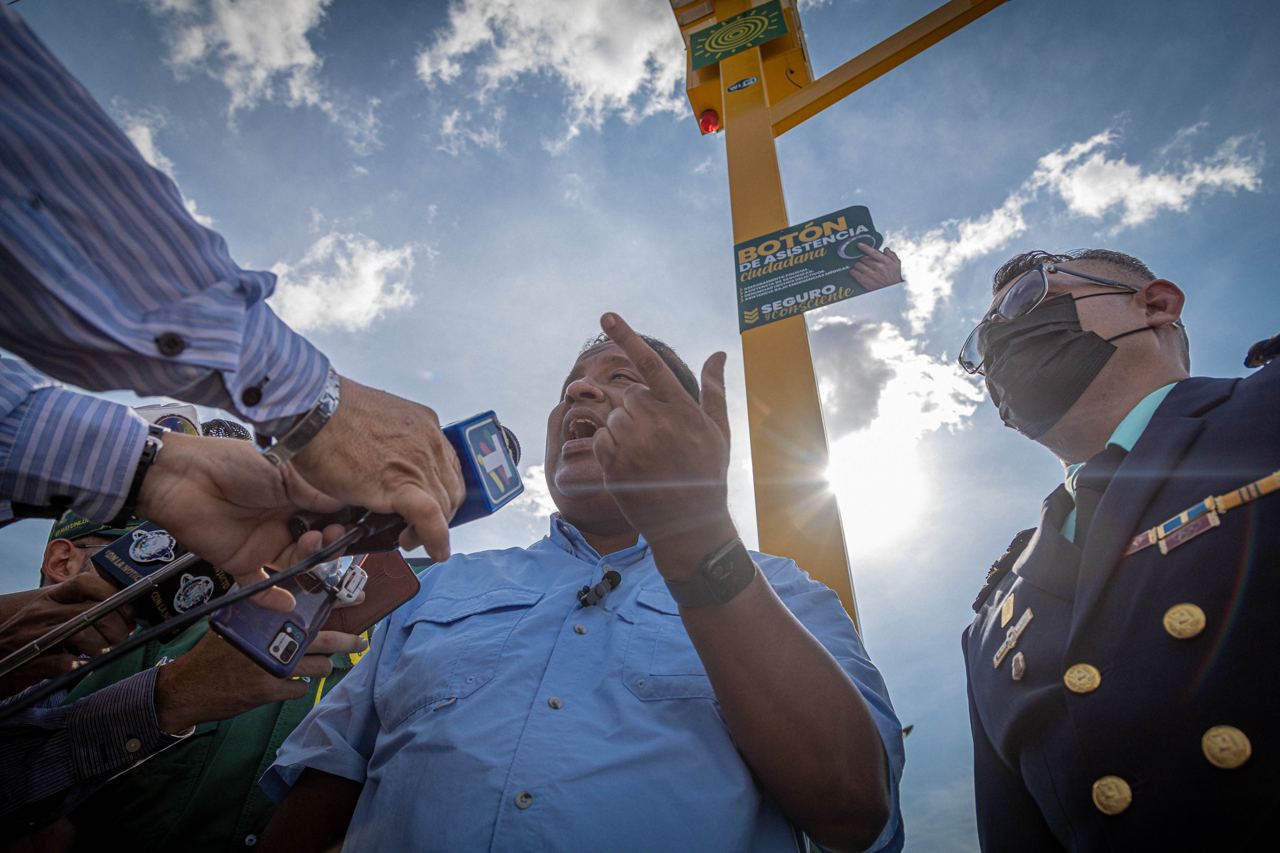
x,y
108,281
62,449
53,756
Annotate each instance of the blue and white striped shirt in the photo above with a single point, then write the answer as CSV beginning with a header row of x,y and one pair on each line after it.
x,y
109,283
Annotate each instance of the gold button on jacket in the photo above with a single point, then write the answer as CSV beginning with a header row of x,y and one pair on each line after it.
x,y
1112,795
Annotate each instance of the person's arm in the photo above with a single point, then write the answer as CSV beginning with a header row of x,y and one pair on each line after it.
x,y
25,616
1008,817
798,719
109,282
796,716
314,816
52,756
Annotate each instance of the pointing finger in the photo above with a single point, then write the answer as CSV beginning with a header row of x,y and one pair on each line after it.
x,y
713,402
661,381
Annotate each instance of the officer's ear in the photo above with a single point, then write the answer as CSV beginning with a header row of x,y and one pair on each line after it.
x,y
1163,301
60,562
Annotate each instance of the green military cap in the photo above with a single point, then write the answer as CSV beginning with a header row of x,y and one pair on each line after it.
x,y
72,526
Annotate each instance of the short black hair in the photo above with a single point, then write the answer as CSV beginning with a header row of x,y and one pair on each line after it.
x,y
1019,264
665,352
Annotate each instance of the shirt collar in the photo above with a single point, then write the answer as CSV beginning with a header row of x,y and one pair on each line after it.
x,y
1128,431
567,537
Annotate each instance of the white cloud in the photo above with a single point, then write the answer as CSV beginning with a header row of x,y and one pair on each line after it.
x,y
871,377
458,132
536,499
1088,183
261,51
142,129
1094,185
344,281
931,260
615,57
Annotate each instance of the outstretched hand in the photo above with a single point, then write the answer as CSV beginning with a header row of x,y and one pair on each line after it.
x,y
388,454
223,500
665,456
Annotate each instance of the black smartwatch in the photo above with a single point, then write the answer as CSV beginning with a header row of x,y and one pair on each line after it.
x,y
723,574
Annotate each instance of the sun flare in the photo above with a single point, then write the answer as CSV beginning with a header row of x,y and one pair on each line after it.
x,y
879,483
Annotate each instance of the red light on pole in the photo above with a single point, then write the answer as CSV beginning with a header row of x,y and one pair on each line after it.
x,y
709,121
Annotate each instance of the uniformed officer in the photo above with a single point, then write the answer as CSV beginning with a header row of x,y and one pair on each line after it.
x,y
1122,662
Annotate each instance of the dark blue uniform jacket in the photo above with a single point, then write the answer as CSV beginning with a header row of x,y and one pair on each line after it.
x,y
1039,747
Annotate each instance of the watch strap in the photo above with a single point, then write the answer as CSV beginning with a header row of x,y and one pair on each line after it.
x,y
291,443
151,447
723,574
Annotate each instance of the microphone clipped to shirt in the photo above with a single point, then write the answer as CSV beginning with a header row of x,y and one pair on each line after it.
x,y
590,595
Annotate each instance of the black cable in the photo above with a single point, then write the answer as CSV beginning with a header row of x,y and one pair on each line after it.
x,y
62,682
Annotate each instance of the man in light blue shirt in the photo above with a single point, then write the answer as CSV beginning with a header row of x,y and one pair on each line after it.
x,y
709,699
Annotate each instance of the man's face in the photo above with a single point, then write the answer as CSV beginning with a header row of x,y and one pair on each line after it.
x,y
594,387
1112,314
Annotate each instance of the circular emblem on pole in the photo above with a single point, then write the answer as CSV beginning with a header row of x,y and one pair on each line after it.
x,y
1082,678
1184,621
737,33
1226,747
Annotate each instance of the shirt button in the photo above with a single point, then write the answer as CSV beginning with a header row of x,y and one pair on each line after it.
x,y
170,344
1082,678
132,745
523,800
579,629
555,703
250,840
251,396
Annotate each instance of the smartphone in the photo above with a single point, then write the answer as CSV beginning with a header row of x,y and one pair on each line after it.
x,y
391,583
276,641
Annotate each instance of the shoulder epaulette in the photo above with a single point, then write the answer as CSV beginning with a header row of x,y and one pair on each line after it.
x,y
1001,567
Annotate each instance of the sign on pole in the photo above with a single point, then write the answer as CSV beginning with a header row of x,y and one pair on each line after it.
x,y
801,267
736,34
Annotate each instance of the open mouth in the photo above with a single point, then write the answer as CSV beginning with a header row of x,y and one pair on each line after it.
x,y
581,428
579,431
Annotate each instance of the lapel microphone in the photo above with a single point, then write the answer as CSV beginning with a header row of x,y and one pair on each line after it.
x,y
590,595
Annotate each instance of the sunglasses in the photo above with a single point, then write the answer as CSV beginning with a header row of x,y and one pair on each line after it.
x,y
1021,298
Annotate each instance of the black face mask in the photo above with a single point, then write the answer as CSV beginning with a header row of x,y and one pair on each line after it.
x,y
1038,365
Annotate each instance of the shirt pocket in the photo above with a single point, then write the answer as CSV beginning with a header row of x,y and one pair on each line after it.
x,y
660,661
453,648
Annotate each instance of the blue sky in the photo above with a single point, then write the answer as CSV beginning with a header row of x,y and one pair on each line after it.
x,y
453,193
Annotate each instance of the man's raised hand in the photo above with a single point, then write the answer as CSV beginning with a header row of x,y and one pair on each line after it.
x,y
665,456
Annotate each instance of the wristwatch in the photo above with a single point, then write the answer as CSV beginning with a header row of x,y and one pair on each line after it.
x,y
723,574
151,447
292,442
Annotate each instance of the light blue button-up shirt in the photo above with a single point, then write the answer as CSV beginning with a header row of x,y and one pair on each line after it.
x,y
495,713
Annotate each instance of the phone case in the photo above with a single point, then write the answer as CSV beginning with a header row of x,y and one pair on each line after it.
x,y
391,583
276,641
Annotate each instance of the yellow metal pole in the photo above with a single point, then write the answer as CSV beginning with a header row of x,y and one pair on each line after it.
x,y
877,61
795,511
